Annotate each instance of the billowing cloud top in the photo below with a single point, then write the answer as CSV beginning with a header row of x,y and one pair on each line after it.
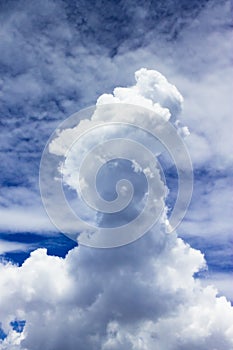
x,y
152,90
129,124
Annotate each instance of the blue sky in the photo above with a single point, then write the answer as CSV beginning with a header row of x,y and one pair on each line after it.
x,y
58,57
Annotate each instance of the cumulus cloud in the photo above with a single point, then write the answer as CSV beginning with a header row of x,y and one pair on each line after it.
x,y
109,128
152,90
142,296
139,296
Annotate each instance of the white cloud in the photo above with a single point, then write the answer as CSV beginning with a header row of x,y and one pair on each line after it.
x,y
135,297
210,214
6,247
223,281
152,91
25,219
76,144
140,296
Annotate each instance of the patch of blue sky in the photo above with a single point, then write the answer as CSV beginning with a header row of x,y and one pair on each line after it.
x,y
18,325
3,335
58,245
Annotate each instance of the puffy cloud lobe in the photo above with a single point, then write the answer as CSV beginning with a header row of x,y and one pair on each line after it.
x,y
152,90
153,85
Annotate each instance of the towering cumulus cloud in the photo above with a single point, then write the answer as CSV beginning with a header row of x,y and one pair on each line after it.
x,y
140,296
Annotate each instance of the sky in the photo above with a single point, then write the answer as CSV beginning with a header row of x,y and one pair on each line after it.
x,y
161,291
